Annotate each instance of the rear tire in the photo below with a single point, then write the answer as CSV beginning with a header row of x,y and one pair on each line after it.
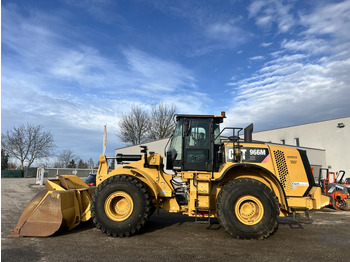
x,y
247,209
120,206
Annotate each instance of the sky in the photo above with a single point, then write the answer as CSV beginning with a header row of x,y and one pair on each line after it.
x,y
73,66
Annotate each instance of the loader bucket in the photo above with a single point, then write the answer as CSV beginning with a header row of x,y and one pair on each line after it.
x,y
62,204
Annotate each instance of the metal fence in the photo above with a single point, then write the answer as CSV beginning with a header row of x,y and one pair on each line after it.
x,y
43,173
11,173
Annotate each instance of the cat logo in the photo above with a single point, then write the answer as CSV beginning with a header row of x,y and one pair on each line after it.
x,y
256,155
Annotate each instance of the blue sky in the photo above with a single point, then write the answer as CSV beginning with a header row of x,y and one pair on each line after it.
x,y
73,66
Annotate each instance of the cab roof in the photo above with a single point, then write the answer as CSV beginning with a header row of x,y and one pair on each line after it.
x,y
222,116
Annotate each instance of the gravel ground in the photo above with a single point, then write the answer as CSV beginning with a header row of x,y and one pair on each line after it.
x,y
171,237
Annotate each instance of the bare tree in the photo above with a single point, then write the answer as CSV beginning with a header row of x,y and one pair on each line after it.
x,y
138,126
90,163
65,157
162,122
134,126
27,143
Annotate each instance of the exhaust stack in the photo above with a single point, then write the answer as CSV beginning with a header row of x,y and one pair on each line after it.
x,y
248,133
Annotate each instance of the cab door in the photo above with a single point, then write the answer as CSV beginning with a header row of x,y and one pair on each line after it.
x,y
198,139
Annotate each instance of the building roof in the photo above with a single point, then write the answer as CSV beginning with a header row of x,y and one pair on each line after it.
x,y
321,121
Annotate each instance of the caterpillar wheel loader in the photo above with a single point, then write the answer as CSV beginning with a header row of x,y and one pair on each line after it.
x,y
246,185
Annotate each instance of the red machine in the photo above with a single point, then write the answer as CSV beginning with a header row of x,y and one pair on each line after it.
x,y
337,187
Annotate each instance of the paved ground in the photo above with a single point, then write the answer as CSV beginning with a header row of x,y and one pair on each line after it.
x,y
171,237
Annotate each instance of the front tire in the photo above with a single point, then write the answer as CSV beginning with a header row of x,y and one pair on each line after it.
x,y
120,206
247,209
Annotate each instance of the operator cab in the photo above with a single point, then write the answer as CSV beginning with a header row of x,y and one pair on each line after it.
x,y
194,142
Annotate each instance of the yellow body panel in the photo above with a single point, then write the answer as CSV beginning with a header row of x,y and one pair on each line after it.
x,y
158,181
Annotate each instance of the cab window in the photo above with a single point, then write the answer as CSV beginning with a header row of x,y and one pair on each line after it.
x,y
198,137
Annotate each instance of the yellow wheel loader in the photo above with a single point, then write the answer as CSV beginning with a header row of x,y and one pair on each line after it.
x,y
245,184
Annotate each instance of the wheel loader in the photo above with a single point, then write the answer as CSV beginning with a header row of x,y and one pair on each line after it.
x,y
244,184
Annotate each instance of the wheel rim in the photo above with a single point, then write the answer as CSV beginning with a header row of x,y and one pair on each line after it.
x,y
249,210
119,206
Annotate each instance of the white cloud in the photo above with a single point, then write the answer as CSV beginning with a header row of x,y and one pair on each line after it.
x,y
225,34
266,44
264,21
306,80
69,86
310,46
331,19
255,7
285,93
269,12
254,58
213,27
154,72
220,31
57,76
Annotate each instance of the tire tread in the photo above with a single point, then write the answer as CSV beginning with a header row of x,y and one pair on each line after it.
x,y
143,217
223,220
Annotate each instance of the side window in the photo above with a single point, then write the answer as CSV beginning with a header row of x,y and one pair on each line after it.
x,y
217,134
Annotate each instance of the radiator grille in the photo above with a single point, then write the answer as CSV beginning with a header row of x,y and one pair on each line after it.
x,y
282,170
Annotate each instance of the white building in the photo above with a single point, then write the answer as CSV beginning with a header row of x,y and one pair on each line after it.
x,y
155,146
331,136
326,143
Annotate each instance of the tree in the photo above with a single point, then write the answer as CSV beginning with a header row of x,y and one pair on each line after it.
x,y
4,160
71,164
27,143
162,122
139,127
82,164
65,157
134,126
